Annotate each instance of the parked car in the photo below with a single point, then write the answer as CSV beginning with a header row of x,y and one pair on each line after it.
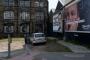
x,y
38,38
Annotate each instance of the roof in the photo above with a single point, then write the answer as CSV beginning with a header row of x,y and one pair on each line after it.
x,y
59,5
58,8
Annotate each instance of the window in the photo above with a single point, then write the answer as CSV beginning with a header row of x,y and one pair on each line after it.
x,y
24,9
21,3
24,29
32,16
46,4
24,3
24,15
36,4
27,3
39,16
8,29
8,15
8,2
39,4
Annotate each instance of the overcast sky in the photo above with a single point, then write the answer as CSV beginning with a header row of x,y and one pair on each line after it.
x,y
52,4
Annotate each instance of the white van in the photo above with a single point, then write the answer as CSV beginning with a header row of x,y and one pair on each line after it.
x,y
38,38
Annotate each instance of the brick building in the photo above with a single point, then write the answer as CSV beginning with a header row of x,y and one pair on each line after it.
x,y
23,16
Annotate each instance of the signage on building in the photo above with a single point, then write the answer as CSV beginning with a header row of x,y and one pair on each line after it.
x,y
78,17
57,23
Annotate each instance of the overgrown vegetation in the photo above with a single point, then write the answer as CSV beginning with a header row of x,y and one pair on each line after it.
x,y
77,42
13,39
53,46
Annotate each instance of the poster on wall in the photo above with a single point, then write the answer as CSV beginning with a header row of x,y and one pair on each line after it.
x,y
77,17
57,26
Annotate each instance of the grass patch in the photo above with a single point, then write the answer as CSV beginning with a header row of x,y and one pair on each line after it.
x,y
53,46
77,42
87,46
13,39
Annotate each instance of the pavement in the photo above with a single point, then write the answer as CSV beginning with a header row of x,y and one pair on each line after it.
x,y
75,48
13,53
25,56
21,54
52,56
62,56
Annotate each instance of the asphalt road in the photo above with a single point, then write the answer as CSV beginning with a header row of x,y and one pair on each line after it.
x,y
62,56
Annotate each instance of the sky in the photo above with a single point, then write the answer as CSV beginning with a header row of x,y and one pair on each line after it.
x,y
52,4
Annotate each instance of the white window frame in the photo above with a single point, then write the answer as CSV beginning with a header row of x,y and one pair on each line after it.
x,y
39,4
11,29
24,3
24,16
36,4
8,15
8,3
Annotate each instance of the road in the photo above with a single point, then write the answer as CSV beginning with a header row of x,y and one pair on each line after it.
x,y
37,53
62,56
